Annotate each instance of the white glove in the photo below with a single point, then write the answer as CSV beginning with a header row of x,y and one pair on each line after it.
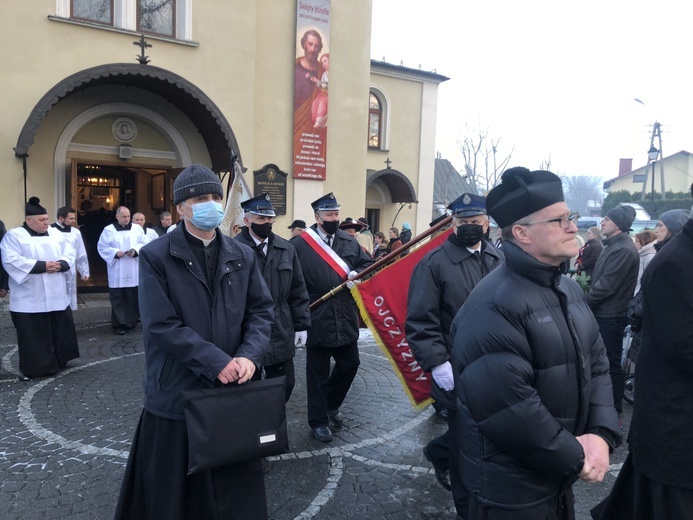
x,y
300,339
442,375
352,274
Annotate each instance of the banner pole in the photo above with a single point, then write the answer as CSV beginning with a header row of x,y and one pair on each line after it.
x,y
384,260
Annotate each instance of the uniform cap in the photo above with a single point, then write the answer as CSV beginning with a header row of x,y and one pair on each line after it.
x,y
260,205
324,203
468,205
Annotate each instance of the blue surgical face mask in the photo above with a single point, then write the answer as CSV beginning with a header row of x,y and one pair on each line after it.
x,y
206,215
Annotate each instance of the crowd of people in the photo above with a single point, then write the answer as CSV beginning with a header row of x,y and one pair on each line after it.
x,y
524,362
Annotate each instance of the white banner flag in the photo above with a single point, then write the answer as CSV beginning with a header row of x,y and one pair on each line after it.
x,y
233,214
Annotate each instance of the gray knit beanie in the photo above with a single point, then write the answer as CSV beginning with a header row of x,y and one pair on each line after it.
x,y
196,180
674,220
623,216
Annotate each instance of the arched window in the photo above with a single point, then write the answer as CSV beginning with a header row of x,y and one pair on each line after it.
x,y
375,122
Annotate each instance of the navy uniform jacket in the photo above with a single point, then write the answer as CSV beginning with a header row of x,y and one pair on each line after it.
x,y
334,322
284,279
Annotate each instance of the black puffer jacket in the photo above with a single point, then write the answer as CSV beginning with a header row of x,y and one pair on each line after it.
x,y
439,285
335,322
532,374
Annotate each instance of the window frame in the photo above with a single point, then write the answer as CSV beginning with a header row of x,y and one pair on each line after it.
x,y
111,23
384,125
174,9
124,18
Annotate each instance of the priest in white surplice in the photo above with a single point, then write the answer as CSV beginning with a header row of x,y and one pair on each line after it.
x,y
149,233
67,218
37,259
119,246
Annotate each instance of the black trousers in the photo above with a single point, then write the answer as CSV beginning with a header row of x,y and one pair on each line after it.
x,y
327,390
445,453
285,368
611,330
125,308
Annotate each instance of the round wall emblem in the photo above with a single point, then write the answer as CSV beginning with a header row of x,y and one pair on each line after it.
x,y
124,129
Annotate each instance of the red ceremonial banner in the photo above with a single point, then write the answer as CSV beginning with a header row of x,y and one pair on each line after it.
x,y
382,300
311,80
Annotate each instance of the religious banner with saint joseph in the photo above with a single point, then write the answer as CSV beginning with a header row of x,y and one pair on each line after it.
x,y
311,81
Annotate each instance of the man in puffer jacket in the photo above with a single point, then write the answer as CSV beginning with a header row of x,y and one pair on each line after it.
x,y
532,377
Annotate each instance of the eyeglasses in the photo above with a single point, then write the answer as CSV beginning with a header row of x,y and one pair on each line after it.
x,y
563,222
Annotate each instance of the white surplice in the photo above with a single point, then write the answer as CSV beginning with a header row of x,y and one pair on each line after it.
x,y
150,234
40,292
74,237
122,272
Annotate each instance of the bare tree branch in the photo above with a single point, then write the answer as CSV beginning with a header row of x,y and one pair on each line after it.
x,y
483,161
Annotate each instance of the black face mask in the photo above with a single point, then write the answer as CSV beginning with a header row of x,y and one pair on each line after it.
x,y
261,230
470,234
330,227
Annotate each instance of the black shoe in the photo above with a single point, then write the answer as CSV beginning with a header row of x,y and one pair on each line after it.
x,y
336,417
443,414
22,377
322,433
266,466
120,331
442,475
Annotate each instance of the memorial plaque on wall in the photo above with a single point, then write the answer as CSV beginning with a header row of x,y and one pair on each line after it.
x,y
271,180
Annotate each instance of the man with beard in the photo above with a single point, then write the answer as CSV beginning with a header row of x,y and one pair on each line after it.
x,y
308,68
279,266
439,286
37,259
67,218
329,257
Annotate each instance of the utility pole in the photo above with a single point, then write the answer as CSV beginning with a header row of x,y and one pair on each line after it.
x,y
652,155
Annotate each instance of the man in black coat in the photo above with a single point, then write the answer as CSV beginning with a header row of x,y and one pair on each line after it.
x,y
206,319
439,285
661,433
328,257
612,286
279,265
534,395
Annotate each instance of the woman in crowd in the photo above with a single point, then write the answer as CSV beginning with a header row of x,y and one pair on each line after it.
x,y
645,244
587,258
670,224
380,245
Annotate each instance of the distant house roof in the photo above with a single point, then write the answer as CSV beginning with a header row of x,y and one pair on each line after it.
x,y
642,169
448,184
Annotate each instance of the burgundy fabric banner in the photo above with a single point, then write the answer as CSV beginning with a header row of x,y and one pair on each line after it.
x,y
310,88
382,300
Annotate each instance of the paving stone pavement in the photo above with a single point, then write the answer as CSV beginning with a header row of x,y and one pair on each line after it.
x,y
64,440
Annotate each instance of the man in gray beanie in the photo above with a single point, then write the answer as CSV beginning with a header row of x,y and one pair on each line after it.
x,y
206,319
613,282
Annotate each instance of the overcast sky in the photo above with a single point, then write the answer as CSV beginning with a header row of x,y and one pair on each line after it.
x,y
551,78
